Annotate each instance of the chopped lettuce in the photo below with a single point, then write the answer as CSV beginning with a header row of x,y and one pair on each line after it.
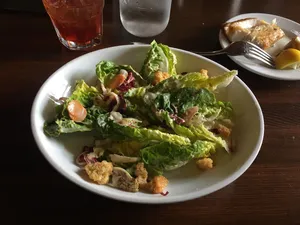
x,y
107,127
159,58
192,132
134,96
66,125
217,111
106,70
168,156
172,60
136,92
182,99
126,148
83,93
194,80
179,101
139,102
202,133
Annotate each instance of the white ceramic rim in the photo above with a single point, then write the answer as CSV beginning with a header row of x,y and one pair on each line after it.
x,y
171,199
261,70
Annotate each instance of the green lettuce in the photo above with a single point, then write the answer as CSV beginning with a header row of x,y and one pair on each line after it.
x,y
184,98
126,148
202,133
171,59
159,58
84,93
194,80
179,101
217,111
136,93
107,127
106,70
138,103
193,133
66,125
168,156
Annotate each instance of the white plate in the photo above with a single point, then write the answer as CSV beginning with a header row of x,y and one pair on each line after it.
x,y
185,183
286,25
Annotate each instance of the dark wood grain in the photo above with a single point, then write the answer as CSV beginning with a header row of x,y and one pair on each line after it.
x,y
32,192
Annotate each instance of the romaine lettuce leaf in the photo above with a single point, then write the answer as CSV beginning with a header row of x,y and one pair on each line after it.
x,y
168,156
139,102
171,59
218,111
184,98
109,128
192,132
194,80
159,58
66,125
126,148
106,70
83,93
135,93
202,133
178,101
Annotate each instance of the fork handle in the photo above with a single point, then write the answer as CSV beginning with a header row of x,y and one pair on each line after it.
x,y
218,52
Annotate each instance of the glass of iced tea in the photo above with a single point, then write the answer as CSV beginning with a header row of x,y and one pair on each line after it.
x,y
78,23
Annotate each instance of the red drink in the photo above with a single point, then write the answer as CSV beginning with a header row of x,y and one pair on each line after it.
x,y
78,23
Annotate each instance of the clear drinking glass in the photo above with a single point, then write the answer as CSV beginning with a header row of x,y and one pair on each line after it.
x,y
78,23
145,18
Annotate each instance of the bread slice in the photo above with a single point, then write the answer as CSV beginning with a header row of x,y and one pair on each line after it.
x,y
254,30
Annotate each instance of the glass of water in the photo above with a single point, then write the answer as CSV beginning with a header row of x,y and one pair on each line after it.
x,y
145,18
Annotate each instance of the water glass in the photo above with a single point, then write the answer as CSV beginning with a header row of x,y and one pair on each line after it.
x,y
145,18
78,23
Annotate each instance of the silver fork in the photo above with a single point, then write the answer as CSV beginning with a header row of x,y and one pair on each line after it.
x,y
245,48
60,99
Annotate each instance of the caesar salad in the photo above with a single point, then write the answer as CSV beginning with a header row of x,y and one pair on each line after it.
x,y
146,122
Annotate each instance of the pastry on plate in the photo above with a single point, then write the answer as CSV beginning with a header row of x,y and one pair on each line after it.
x,y
255,30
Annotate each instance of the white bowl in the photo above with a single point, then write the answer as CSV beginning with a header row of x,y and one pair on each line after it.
x,y
185,183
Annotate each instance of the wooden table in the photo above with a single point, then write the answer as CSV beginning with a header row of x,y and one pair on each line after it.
x,y
34,193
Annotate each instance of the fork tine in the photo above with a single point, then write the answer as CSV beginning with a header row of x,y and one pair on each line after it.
x,y
297,33
253,46
258,57
60,98
259,53
262,52
59,101
52,98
